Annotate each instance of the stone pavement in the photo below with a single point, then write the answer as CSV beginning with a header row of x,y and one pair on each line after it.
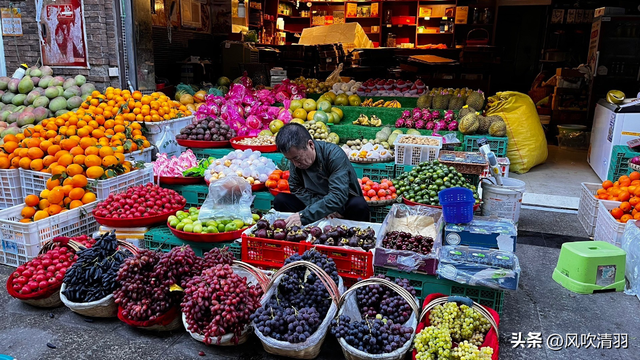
x,y
539,306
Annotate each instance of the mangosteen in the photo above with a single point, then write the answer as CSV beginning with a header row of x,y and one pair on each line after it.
x,y
279,234
295,228
269,234
225,127
353,241
327,228
222,132
315,231
207,137
261,233
370,232
280,224
262,224
214,131
193,137
211,125
200,137
291,237
300,236
334,234
184,131
322,238
191,126
330,241
352,231
200,131
341,232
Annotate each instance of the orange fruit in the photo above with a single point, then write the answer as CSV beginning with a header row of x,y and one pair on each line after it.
x,y
617,213
25,163
5,163
10,146
28,212
76,194
75,203
25,220
58,170
95,172
54,209
88,197
625,218
120,157
634,176
65,160
31,200
44,194
79,181
625,207
623,196
74,169
39,215
36,165
53,149
636,216
106,151
43,204
52,183
79,159
56,195
66,201
109,160
91,150
76,151
607,184
67,189
92,160
35,153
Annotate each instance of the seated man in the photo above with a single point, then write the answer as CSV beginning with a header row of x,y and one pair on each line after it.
x,y
322,181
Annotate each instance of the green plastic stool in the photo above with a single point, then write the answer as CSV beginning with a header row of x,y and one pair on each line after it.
x,y
588,266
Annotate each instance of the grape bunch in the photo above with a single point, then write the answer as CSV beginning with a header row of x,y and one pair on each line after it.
x,y
300,304
176,267
219,302
377,299
373,336
400,240
93,276
433,343
216,256
463,322
141,296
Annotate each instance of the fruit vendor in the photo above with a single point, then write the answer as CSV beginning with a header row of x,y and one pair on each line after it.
x,y
323,183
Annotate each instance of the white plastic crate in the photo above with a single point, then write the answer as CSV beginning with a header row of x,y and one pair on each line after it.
x,y
504,164
607,228
14,260
10,188
33,182
413,154
26,239
588,208
155,128
140,155
120,183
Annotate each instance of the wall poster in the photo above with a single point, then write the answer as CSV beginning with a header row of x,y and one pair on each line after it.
x,y
63,39
11,22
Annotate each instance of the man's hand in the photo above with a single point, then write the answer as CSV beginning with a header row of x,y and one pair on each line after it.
x,y
293,220
335,215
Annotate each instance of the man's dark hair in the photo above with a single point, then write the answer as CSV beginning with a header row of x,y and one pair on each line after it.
x,y
292,135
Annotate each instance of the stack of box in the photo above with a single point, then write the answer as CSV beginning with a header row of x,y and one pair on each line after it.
x,y
278,75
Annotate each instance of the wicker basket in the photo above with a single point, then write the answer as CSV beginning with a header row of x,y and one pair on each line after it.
x,y
103,308
463,168
50,300
313,350
351,353
261,278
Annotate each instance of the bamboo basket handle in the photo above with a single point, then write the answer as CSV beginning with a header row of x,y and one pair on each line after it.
x,y
327,281
474,305
263,280
393,286
129,246
64,241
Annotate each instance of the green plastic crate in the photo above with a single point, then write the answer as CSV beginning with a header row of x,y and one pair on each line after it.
x,y
194,194
429,284
161,238
406,102
375,171
619,164
221,152
472,179
379,213
497,144
263,201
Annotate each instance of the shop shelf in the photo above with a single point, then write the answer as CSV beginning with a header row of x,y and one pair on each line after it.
x,y
430,284
497,144
10,188
619,165
607,228
162,239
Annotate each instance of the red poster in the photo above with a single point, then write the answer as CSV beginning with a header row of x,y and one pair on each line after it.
x,y
63,39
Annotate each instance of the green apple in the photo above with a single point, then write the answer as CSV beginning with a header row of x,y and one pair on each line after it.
x,y
187,221
188,228
197,228
239,223
180,226
212,223
194,217
181,215
173,223
193,210
220,227
212,229
232,226
256,217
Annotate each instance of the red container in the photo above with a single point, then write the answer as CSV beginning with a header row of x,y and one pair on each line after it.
x,y
176,180
207,238
403,20
258,187
199,144
261,148
491,339
134,222
275,192
376,44
269,253
351,263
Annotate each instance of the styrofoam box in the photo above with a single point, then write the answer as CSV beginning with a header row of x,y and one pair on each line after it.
x,y
26,239
10,188
607,228
34,182
414,154
504,164
588,208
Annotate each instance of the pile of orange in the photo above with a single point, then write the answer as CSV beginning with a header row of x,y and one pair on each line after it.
x,y
58,197
93,140
626,190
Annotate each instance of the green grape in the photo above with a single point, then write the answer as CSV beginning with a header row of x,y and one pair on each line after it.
x,y
433,343
477,339
468,351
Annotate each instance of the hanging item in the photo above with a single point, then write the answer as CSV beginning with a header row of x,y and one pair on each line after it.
x,y
63,39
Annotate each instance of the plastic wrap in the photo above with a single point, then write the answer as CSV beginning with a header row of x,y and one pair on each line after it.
x,y
417,220
314,339
474,266
229,197
490,232
631,244
350,308
167,143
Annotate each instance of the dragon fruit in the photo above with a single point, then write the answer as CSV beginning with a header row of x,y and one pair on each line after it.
x,y
453,126
440,125
409,124
400,123
420,124
435,115
417,114
406,114
253,122
430,125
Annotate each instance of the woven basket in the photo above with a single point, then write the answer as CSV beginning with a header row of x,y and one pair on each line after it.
x,y
463,168
51,298
351,353
261,278
312,351
103,308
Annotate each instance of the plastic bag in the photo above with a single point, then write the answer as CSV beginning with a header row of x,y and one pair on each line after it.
x,y
350,308
475,266
335,75
312,340
167,143
229,197
417,220
527,145
631,244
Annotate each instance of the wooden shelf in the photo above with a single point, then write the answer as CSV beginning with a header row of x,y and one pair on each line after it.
x,y
293,17
363,18
445,33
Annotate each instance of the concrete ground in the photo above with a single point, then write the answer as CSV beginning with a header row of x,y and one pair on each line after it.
x,y
539,305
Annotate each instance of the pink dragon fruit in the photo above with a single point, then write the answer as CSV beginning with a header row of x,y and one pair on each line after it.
x,y
440,125
417,115
420,124
253,122
409,124
453,126
435,115
430,125
400,123
406,114
448,116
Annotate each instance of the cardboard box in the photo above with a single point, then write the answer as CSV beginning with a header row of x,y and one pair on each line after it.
x,y
351,35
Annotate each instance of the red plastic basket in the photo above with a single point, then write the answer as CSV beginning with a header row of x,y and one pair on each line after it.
x,y
200,144
275,192
350,263
175,180
207,238
134,222
261,148
491,339
269,253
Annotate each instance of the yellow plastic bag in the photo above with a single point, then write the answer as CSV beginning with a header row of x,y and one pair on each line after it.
x,y
527,143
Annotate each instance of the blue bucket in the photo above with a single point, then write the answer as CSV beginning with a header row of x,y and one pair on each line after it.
x,y
457,205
